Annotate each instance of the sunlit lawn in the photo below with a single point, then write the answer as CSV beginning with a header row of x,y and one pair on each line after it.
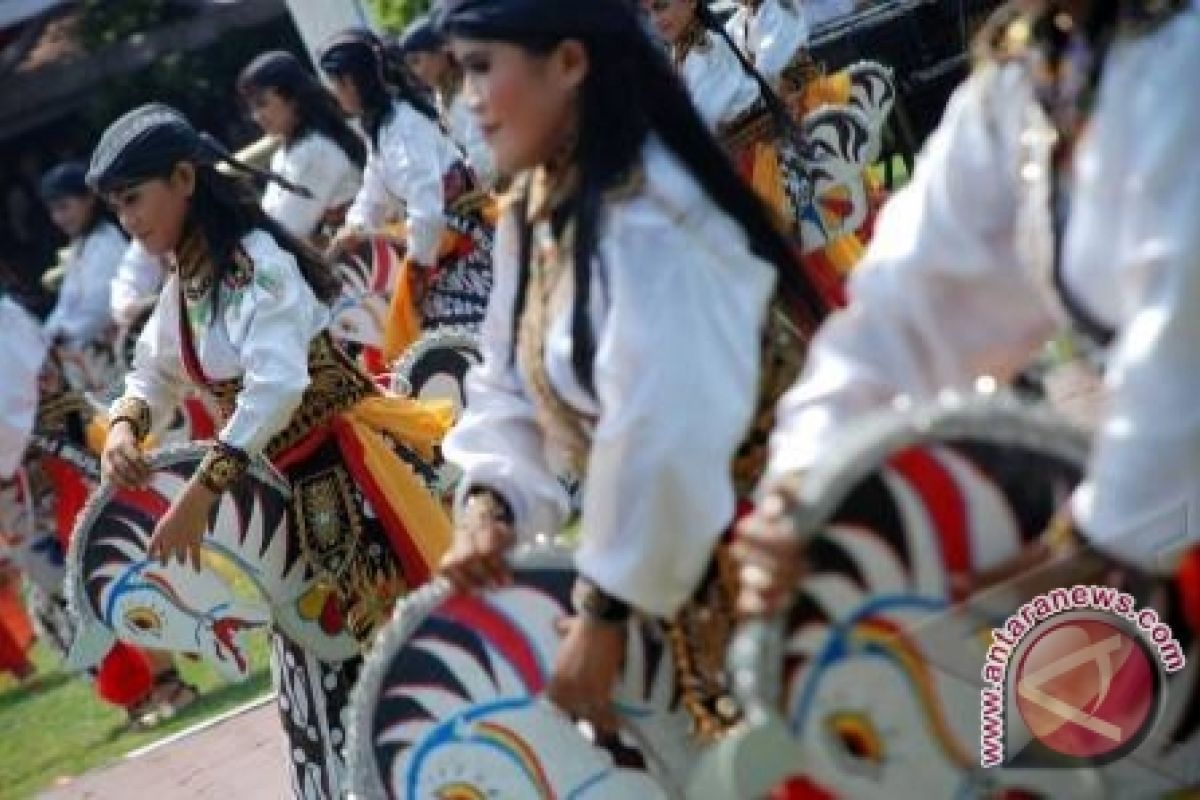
x,y
54,727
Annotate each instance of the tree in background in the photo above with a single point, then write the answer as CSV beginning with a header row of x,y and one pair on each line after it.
x,y
394,15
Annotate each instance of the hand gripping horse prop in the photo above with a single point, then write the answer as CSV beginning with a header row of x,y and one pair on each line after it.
x,y
871,684
870,690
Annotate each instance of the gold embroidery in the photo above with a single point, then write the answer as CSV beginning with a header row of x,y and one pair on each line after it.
x,y
222,467
783,350
133,410
335,385
348,557
699,638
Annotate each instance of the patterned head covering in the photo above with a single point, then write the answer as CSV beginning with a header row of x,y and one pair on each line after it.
x,y
65,180
148,141
502,19
421,36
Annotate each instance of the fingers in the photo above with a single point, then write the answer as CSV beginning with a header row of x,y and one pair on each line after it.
x,y
127,467
478,558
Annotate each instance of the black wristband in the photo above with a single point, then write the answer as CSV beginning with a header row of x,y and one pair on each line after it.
x,y
591,601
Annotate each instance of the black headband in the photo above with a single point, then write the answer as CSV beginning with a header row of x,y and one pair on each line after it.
x,y
501,19
68,179
148,141
421,37
350,48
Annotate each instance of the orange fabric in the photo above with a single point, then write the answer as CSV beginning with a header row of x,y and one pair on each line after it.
x,y
417,525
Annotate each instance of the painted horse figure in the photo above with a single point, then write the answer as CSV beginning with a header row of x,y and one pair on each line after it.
x,y
880,692
875,671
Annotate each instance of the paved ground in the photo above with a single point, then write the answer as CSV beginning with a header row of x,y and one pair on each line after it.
x,y
236,757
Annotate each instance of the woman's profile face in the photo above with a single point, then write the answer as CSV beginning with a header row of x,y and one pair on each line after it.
x,y
72,215
343,88
274,113
671,18
430,68
154,211
526,103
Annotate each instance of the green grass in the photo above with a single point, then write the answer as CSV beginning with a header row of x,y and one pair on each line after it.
x,y
54,727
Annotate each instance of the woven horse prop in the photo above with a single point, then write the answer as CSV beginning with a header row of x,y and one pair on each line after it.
x,y
449,700
869,687
117,592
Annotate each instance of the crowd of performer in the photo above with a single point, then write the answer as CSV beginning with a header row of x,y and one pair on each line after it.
x,y
617,199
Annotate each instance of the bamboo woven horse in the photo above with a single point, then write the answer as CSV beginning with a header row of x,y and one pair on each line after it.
x,y
869,687
117,592
449,697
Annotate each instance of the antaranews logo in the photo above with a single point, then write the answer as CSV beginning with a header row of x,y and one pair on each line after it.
x,y
1074,678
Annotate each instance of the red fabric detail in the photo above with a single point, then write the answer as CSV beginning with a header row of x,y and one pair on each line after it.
x,y
944,502
70,494
416,571
302,449
499,631
124,677
149,502
825,278
16,633
800,788
375,364
202,424
1187,580
187,348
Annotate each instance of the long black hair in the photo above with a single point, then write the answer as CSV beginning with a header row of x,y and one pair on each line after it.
x,y
378,73
316,109
225,208
630,92
150,141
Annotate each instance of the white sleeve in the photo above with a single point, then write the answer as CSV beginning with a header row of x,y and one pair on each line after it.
x,y
415,169
497,443
939,298
156,376
22,349
84,310
1143,491
373,203
318,166
271,323
675,374
138,279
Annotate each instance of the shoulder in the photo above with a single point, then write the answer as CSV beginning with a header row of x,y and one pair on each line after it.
x,y
663,202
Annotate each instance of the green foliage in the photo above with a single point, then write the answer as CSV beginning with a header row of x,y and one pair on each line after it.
x,y
394,15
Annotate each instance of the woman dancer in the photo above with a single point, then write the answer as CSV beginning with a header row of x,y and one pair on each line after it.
x,y
1059,191
635,271
241,318
320,151
82,316
414,166
428,58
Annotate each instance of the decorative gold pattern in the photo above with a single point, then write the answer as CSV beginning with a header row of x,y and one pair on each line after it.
x,y
566,429
335,385
699,638
783,350
133,410
223,466
349,554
